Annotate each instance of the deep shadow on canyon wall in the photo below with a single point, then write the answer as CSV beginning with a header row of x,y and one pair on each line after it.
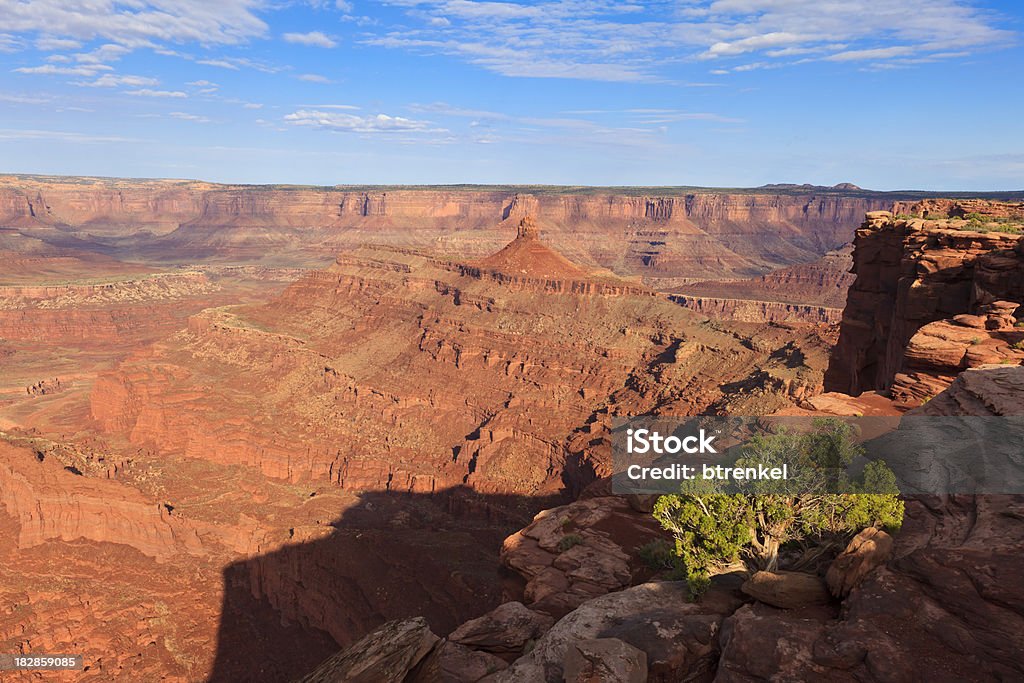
x,y
393,555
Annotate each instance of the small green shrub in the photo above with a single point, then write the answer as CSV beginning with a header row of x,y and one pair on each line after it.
x,y
569,541
659,555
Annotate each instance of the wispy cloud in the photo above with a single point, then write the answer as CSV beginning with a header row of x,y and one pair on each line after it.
x,y
659,116
327,106
614,41
114,81
147,92
24,99
351,123
221,63
311,39
63,136
9,43
313,78
445,109
47,43
237,63
184,116
137,23
104,53
51,69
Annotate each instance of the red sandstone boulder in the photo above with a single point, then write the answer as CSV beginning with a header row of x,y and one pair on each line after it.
x,y
604,660
678,637
386,655
454,663
504,630
789,590
868,550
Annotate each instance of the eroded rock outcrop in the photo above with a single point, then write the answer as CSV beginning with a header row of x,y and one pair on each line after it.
x,y
931,299
788,590
387,655
751,310
868,551
576,552
52,501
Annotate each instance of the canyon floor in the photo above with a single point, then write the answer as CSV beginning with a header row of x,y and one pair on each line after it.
x,y
231,444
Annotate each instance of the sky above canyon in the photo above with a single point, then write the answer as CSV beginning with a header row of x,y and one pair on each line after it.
x,y
887,94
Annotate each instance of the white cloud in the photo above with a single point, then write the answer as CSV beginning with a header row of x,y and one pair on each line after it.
x,y
445,109
344,6
51,70
183,116
146,92
313,78
137,23
236,63
23,99
64,136
203,84
9,43
328,106
311,39
114,80
57,44
351,123
104,53
755,43
876,53
222,63
614,41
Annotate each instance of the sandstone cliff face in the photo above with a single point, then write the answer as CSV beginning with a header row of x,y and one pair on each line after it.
x,y
754,311
911,274
823,282
49,501
659,235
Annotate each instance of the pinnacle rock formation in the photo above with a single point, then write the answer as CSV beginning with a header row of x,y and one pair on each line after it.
x,y
528,255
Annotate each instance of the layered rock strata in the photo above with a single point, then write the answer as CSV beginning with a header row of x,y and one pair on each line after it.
x,y
397,370
931,298
658,234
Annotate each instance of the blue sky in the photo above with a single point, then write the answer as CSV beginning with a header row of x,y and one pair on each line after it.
x,y
887,94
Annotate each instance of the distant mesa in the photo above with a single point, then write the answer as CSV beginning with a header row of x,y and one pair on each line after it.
x,y
810,187
528,255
